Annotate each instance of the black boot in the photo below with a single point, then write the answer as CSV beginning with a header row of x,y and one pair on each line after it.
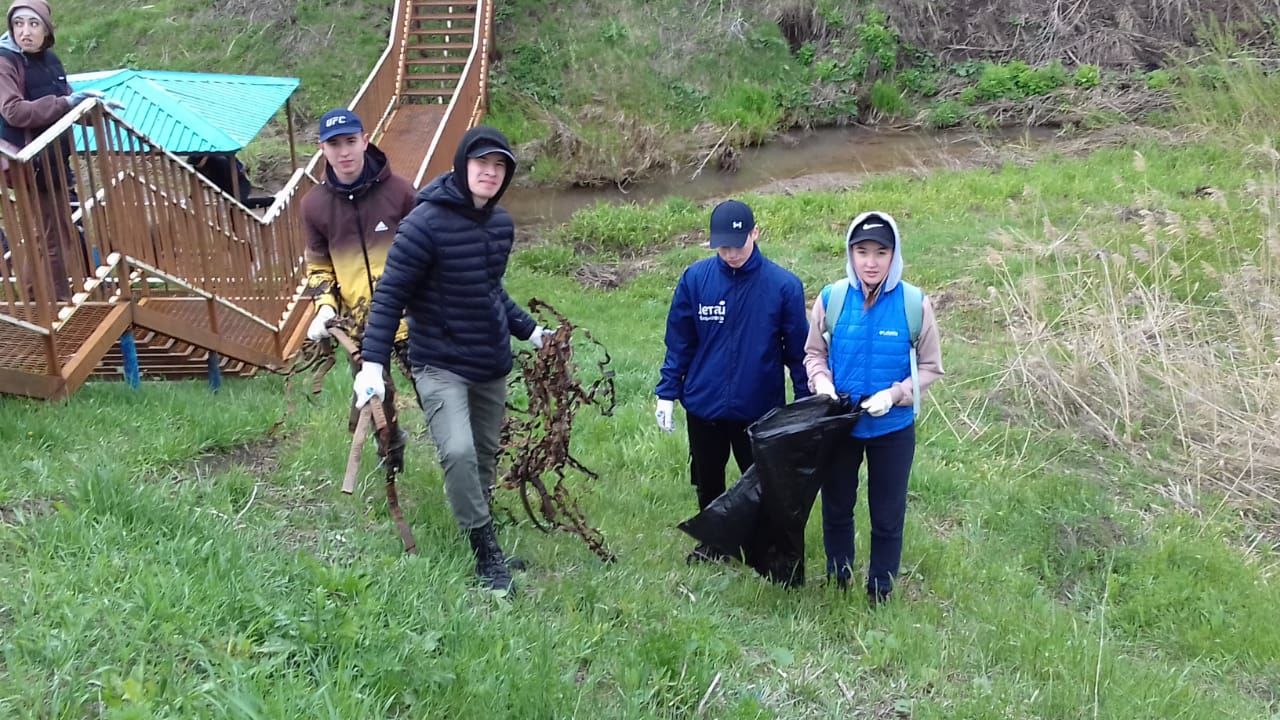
x,y
513,563
842,576
491,564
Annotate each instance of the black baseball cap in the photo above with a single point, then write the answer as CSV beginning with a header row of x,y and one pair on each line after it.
x,y
487,146
874,229
731,224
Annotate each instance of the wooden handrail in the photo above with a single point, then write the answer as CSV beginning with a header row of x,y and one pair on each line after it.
x,y
204,294
25,325
129,198
468,91
51,133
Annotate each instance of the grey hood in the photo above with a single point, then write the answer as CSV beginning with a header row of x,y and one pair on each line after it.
x,y
894,275
42,10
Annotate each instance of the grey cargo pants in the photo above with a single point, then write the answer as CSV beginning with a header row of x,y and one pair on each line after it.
x,y
465,420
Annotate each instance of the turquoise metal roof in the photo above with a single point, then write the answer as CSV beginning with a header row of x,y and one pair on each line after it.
x,y
190,112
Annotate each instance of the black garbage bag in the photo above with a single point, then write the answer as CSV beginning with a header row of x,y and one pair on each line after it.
x,y
762,518
728,524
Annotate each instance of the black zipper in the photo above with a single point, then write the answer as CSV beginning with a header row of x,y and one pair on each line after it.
x,y
364,250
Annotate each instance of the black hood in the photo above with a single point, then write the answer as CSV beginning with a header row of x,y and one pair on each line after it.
x,y
481,134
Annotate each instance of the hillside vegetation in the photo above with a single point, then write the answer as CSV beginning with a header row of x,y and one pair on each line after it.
x,y
614,90
329,45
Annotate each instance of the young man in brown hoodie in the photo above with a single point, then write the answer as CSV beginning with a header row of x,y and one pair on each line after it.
x,y
350,221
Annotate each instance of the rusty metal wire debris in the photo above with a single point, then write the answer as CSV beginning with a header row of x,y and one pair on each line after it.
x,y
535,438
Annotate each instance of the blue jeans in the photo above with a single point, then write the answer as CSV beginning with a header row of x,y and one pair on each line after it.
x,y
889,460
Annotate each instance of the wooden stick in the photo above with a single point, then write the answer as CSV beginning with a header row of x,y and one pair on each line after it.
x,y
357,445
711,152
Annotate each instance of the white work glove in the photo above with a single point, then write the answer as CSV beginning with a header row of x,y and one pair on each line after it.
x,y
666,415
823,386
317,330
878,404
369,383
536,337
76,98
80,96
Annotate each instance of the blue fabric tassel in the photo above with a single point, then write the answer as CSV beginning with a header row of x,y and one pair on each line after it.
x,y
129,349
215,371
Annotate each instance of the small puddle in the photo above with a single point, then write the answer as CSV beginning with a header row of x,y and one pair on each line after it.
x,y
849,152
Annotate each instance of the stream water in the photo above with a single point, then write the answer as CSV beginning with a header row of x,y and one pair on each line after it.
x,y
828,157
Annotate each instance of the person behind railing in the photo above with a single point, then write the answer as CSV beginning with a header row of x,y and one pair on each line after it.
x,y
34,94
350,220
227,172
445,271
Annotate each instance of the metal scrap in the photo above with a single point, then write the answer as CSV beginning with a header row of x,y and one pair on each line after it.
x,y
535,438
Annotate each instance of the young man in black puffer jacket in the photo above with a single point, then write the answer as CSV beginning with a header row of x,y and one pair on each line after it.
x,y
444,271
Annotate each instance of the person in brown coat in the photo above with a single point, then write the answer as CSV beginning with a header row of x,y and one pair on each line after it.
x,y
34,94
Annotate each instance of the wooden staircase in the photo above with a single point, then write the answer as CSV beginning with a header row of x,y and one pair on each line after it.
x,y
442,84
437,45
164,358
183,279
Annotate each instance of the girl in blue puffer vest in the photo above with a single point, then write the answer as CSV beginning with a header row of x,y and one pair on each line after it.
x,y
868,356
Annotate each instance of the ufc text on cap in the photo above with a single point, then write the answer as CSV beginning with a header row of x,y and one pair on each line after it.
x,y
339,122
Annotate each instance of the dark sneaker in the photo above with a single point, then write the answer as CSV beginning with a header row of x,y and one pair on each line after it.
x,y
841,577
876,598
706,554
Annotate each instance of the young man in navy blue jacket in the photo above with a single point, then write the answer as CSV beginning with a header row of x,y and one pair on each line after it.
x,y
736,321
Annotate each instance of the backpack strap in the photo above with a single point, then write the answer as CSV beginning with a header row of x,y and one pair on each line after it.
x,y
913,304
833,297
913,299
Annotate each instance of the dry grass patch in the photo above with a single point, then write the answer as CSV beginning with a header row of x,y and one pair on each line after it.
x,y
1168,349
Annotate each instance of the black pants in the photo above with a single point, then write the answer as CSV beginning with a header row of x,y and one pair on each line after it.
x,y
889,460
709,444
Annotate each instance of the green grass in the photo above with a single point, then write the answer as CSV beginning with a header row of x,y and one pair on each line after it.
x,y
1043,576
